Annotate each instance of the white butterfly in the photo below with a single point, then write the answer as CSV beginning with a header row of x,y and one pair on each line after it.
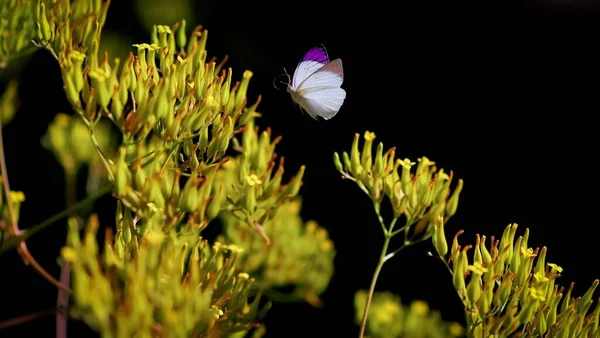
x,y
316,85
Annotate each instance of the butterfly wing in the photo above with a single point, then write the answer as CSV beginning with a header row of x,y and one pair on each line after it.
x,y
314,59
324,103
320,94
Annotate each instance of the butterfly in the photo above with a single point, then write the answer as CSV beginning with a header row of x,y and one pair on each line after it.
x,y
316,84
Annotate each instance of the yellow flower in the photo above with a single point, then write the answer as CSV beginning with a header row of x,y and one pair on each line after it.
x,y
406,163
253,180
369,136
555,267
527,252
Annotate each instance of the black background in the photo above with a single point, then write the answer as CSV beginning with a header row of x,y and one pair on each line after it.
x,y
504,95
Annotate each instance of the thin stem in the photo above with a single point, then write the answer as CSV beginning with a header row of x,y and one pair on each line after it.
x,y
25,318
27,233
23,251
360,184
23,235
100,152
62,301
386,243
377,207
28,259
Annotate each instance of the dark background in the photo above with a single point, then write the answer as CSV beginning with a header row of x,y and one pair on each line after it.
x,y
506,96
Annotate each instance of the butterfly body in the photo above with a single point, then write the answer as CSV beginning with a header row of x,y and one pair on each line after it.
x,y
316,84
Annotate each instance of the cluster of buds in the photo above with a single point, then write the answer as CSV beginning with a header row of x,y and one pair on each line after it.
x,y
159,187
167,88
16,29
388,317
68,139
65,25
174,285
254,188
184,113
301,254
155,182
423,197
508,287
178,113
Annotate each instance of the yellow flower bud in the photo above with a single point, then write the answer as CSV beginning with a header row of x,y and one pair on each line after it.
x,y
366,158
99,82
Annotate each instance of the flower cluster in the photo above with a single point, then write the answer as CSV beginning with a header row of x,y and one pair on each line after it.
x,y
389,318
423,197
508,287
300,255
171,285
16,29
189,153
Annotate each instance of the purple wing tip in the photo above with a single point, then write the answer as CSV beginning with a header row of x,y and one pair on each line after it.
x,y
318,54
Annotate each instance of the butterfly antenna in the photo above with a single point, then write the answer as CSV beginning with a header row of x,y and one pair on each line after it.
x,y
283,83
275,79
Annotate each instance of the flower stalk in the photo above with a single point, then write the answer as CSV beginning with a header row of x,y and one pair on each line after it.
x,y
422,198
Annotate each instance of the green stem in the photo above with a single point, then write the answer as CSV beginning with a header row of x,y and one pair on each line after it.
x,y
14,241
382,259
105,161
67,212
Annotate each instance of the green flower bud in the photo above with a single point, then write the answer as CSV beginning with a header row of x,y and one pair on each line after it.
x,y
181,36
337,162
214,207
355,163
487,296
541,324
226,136
275,181
156,196
439,238
458,275
44,26
116,106
122,173
294,186
452,203
379,160
586,300
189,195
243,88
